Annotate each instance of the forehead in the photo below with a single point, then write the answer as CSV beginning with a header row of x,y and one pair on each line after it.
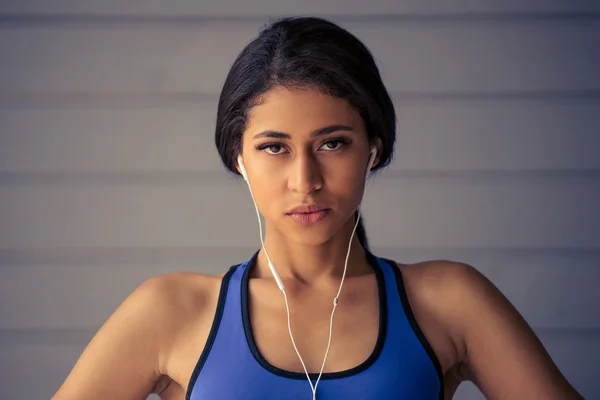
x,y
300,111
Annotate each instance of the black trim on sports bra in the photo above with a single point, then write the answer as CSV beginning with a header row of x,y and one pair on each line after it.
x,y
383,315
415,326
213,331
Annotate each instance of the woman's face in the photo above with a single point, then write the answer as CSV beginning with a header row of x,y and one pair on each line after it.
x,y
302,147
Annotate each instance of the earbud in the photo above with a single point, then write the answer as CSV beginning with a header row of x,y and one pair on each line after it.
x,y
371,159
243,170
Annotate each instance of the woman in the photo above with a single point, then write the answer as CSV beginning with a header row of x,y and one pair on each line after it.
x,y
304,117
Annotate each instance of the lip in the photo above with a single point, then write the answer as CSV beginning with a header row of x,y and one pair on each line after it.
x,y
307,209
310,217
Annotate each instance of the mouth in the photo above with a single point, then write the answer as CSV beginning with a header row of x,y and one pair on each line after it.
x,y
307,215
307,209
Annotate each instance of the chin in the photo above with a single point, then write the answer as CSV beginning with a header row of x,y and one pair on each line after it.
x,y
308,239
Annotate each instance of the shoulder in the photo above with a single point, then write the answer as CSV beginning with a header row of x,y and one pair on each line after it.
x,y
176,307
446,284
177,294
452,293
482,325
169,305
133,347
437,292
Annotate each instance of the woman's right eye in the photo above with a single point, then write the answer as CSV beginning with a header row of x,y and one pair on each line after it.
x,y
271,148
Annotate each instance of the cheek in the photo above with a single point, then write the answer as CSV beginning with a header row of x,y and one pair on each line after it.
x,y
347,184
267,195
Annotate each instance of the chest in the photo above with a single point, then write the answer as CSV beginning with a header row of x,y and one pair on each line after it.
x,y
356,324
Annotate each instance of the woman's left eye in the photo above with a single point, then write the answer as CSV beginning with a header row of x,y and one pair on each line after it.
x,y
333,144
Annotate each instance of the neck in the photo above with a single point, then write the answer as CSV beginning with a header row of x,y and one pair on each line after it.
x,y
310,265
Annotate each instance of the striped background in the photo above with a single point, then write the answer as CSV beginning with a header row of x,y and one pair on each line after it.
x,y
108,172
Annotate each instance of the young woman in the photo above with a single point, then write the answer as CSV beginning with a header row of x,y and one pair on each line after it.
x,y
304,117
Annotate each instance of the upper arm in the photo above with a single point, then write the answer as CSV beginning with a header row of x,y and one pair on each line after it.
x,y
503,356
122,361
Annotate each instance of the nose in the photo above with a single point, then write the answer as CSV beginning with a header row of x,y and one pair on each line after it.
x,y
305,174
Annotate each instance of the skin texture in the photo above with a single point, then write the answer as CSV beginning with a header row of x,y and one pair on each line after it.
x,y
153,340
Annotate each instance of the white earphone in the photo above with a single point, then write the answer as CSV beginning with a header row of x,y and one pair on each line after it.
x,y
372,156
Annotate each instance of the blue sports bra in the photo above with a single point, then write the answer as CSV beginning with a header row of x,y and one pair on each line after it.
x,y
401,366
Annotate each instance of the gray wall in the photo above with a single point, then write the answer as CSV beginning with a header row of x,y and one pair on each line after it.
x,y
108,173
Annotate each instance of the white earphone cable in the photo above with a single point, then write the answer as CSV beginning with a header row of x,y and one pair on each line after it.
x,y
282,288
335,301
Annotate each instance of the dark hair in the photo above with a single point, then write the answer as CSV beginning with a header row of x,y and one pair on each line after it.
x,y
305,52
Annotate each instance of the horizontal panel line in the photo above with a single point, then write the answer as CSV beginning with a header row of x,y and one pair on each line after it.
x,y
222,177
183,20
538,95
182,257
162,178
46,336
81,337
118,100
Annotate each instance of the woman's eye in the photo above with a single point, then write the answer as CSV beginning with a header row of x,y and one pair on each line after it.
x,y
332,144
273,149
278,148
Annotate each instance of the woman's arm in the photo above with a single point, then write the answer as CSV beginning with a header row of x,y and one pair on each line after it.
x,y
502,354
122,361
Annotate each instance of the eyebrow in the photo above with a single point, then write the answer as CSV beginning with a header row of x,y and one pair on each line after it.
x,y
319,132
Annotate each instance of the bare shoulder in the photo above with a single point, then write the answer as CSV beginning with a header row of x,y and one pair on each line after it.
x,y
445,287
191,300
186,303
181,292
174,297
432,288
493,345
129,356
